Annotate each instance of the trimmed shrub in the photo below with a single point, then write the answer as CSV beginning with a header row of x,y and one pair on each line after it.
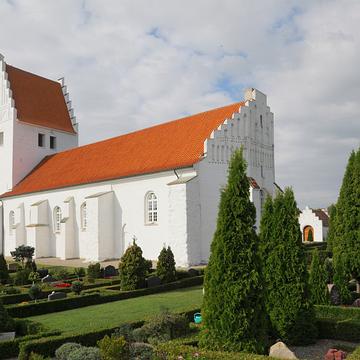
x,y
61,274
132,268
80,272
354,355
165,268
35,292
341,280
6,321
94,271
88,353
4,272
22,276
10,290
346,330
233,312
141,351
34,277
64,350
34,356
284,266
317,281
113,348
76,287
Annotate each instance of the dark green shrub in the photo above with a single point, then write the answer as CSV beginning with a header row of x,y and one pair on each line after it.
x,y
329,268
141,351
165,268
61,274
6,322
113,348
10,290
126,331
35,292
34,356
76,287
22,253
64,350
94,271
4,272
233,312
318,281
80,272
284,266
34,277
22,276
148,266
88,353
341,280
132,268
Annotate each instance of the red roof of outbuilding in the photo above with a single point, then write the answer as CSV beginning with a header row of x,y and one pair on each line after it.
x,y
175,144
39,101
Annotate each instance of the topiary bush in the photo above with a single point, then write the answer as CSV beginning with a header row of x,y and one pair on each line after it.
x,y
35,292
34,356
80,272
132,268
22,276
141,351
7,323
4,272
165,268
233,311
62,353
77,287
113,348
82,353
94,271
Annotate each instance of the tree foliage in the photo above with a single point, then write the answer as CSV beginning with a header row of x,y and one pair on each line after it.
x,y
165,268
132,268
318,280
331,236
35,292
6,321
4,272
22,253
284,266
346,241
233,308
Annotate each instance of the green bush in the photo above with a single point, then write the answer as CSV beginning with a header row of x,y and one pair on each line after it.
x,y
346,330
22,253
35,292
88,353
165,268
354,355
76,287
132,268
318,281
341,279
141,351
6,321
80,272
25,327
125,331
34,277
34,356
233,312
10,290
337,312
22,276
94,271
64,350
4,272
114,348
61,274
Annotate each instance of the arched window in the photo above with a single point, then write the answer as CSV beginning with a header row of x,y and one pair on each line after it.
x,y
57,219
151,204
83,216
11,222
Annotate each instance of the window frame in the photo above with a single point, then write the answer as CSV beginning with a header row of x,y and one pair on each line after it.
x,y
52,143
41,140
83,216
11,222
151,212
57,217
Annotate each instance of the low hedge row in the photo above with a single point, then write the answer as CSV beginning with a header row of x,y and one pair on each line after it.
x,y
47,346
170,351
10,348
355,355
18,298
337,312
47,307
346,330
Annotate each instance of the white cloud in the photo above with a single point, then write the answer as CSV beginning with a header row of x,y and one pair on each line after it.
x,y
131,64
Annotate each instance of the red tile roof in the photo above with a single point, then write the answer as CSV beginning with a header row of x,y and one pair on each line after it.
x,y
39,101
175,144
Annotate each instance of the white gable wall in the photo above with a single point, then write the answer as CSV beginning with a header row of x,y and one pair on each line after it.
x,y
308,218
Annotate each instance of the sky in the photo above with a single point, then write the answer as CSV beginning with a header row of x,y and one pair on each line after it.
x,y
132,64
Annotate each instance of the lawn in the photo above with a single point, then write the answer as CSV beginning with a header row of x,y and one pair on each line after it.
x,y
115,313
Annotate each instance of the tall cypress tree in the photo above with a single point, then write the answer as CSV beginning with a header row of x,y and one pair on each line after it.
x,y
233,308
284,266
331,236
4,272
347,243
318,280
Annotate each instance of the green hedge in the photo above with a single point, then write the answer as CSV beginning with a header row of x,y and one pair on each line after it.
x,y
11,348
354,355
48,307
337,312
170,351
347,330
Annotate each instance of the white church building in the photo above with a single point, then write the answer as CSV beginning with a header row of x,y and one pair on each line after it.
x,y
160,185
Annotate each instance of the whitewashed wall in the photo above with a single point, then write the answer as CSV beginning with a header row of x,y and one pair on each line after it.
x,y
308,218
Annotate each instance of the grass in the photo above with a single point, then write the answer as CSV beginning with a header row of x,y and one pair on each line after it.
x,y
112,314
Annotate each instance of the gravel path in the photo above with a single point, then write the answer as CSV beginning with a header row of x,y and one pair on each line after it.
x,y
317,351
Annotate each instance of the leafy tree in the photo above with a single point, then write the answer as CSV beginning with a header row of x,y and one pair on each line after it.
x,y
6,321
35,292
318,281
284,266
233,309
22,253
132,268
4,272
34,277
166,265
76,287
347,221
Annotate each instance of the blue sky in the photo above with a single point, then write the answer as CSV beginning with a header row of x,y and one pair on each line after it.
x,y
132,64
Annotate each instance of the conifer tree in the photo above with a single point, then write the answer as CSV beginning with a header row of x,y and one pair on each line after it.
x,y
4,272
284,266
310,237
132,268
318,281
165,268
233,307
341,280
347,227
331,237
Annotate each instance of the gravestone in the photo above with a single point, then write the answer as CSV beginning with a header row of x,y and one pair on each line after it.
x,y
48,279
12,267
110,271
281,351
334,293
153,281
334,354
57,295
356,303
193,272
43,272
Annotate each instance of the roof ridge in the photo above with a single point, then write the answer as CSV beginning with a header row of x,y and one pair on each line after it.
x,y
30,73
